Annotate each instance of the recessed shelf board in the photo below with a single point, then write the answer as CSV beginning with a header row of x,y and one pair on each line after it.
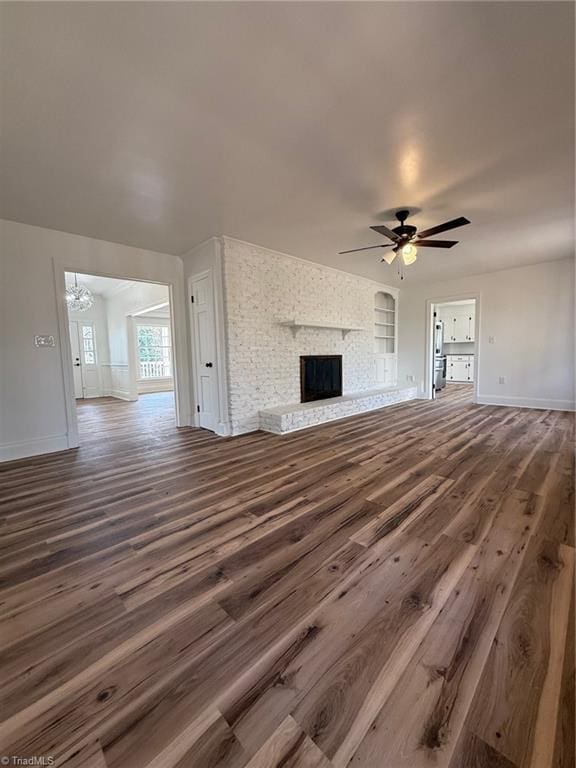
x,y
296,325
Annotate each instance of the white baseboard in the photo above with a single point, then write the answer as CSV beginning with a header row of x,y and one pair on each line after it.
x,y
119,394
527,402
93,393
146,386
26,448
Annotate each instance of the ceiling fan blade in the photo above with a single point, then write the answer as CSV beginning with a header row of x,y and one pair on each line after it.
x,y
382,230
435,243
389,257
367,248
459,222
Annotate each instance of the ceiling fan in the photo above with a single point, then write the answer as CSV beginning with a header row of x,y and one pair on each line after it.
x,y
406,240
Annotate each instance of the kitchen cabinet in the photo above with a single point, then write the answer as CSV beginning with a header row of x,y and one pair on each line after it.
x,y
461,327
458,322
385,370
460,367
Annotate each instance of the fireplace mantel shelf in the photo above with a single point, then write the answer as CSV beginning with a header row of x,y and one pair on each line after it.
x,y
296,325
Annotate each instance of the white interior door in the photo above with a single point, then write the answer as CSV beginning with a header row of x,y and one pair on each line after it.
x,y
202,297
76,359
90,372
84,362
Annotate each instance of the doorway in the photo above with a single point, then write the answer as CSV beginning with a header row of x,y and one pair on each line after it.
x,y
121,353
453,364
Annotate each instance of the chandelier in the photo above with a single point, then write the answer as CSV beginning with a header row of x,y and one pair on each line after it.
x,y
78,298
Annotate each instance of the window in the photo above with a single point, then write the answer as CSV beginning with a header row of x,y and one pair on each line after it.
x,y
154,351
88,345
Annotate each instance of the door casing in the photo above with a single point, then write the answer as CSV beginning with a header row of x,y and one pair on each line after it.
x,y
179,342
222,425
76,354
429,336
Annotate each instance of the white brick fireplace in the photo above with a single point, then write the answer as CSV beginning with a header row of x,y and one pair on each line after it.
x,y
264,289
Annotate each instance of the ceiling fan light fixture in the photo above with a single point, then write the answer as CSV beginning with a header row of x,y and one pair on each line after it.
x,y
409,254
389,257
404,238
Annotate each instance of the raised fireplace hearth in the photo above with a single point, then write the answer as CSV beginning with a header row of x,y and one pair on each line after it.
x,y
288,418
320,377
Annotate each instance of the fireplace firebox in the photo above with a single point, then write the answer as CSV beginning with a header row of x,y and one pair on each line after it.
x,y
320,377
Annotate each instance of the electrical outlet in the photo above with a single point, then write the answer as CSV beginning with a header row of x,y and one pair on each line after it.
x,y
409,377
490,339
502,380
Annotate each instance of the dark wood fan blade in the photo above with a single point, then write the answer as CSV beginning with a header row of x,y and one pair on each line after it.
x,y
459,222
368,248
382,230
435,243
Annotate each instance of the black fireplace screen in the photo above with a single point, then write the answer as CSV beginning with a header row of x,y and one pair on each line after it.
x,y
320,377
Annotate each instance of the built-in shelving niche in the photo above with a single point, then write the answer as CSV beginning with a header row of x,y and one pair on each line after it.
x,y
384,324
385,329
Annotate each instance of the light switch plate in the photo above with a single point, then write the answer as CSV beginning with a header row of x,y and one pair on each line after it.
x,y
44,341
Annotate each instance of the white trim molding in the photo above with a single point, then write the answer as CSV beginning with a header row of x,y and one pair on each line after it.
x,y
36,447
527,402
61,265
431,304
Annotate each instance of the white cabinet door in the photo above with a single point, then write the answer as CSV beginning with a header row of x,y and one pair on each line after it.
x,y
450,328
458,371
458,324
380,366
471,324
461,327
385,370
390,376
471,369
444,314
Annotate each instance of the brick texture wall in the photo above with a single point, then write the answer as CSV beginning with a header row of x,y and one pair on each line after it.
x,y
261,289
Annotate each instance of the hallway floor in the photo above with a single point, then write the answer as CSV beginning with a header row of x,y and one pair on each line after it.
x,y
457,392
107,418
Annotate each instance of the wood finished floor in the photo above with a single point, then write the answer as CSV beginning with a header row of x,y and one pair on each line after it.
x,y
393,590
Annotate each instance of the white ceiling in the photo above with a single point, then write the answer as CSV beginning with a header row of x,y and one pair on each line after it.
x,y
163,312
103,286
295,125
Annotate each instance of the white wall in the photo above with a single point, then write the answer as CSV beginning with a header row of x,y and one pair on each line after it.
x,y
204,256
134,298
529,313
33,408
263,288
